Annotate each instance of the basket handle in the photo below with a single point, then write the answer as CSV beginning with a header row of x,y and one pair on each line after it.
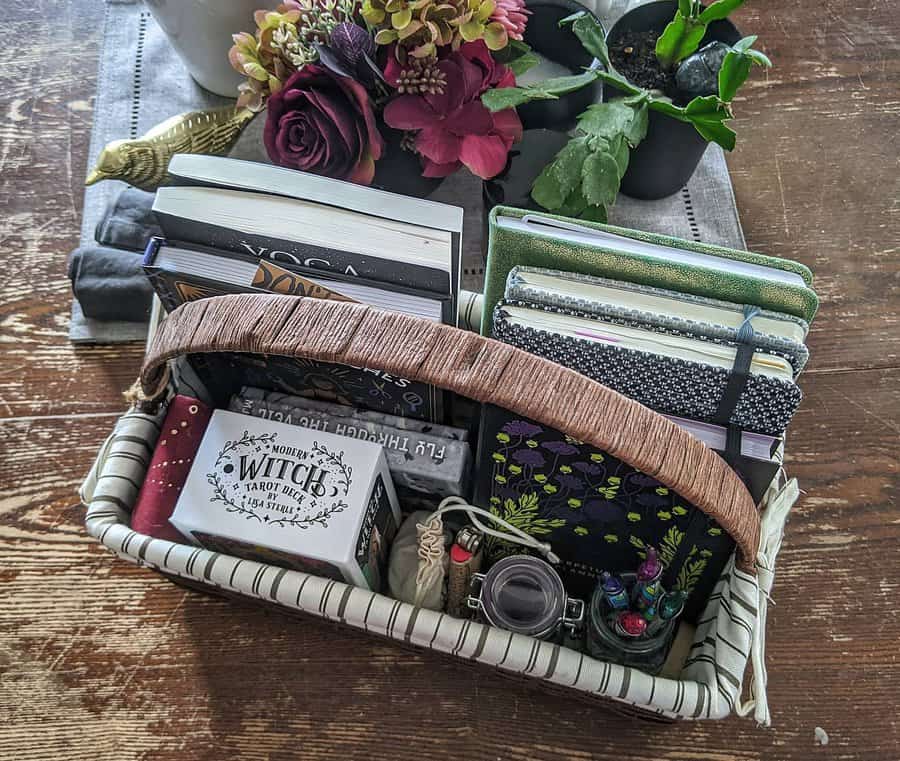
x,y
480,368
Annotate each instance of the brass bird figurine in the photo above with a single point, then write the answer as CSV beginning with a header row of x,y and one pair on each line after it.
x,y
143,162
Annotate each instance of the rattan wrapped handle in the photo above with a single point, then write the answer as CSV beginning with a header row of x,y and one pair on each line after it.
x,y
471,365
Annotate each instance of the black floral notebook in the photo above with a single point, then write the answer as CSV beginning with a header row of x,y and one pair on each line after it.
x,y
597,512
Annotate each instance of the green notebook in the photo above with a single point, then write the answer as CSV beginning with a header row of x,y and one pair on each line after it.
x,y
520,237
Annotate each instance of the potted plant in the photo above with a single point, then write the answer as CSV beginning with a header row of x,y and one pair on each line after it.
x,y
682,78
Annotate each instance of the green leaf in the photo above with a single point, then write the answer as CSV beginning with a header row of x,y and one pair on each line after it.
x,y
678,40
606,120
719,10
575,204
717,132
744,44
759,58
591,34
595,214
668,108
518,56
617,80
684,7
523,63
567,84
600,179
502,98
734,72
637,129
706,107
708,115
562,175
621,153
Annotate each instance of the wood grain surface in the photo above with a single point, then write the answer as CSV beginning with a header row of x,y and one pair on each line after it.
x,y
101,660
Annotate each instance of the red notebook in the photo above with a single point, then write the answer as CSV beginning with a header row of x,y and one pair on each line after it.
x,y
181,434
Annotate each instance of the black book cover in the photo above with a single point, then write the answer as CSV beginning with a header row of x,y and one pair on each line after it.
x,y
292,255
175,288
597,512
224,373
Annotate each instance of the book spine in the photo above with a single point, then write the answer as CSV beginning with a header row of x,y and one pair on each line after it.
x,y
546,301
417,461
250,394
291,254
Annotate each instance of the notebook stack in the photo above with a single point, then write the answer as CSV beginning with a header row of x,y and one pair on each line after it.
x,y
712,338
234,226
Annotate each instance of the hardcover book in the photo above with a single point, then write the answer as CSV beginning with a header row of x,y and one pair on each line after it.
x,y
659,309
187,272
519,237
597,513
277,493
223,373
671,374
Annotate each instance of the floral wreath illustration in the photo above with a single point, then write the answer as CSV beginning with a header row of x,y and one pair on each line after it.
x,y
258,442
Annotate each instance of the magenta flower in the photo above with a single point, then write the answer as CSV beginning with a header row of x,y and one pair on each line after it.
x,y
453,127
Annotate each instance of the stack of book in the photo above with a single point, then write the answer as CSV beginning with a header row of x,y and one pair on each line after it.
x,y
713,338
234,226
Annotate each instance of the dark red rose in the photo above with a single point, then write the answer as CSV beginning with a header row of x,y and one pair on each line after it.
x,y
323,123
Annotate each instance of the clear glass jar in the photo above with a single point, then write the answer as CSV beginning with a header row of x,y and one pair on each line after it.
x,y
525,595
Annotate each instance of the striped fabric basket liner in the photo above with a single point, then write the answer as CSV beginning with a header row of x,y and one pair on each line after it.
x,y
729,635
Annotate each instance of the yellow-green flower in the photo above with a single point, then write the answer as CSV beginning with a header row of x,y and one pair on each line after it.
x,y
574,503
550,489
611,538
581,531
503,437
633,517
662,491
679,510
614,480
500,479
597,457
498,457
515,470
565,469
495,500
540,478
664,515
531,443
714,531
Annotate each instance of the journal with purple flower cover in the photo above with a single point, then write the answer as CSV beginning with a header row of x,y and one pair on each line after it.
x,y
597,512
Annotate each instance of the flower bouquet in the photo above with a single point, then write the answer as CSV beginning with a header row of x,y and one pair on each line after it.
x,y
340,80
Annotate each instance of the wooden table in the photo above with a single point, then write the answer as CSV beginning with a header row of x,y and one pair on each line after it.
x,y
102,660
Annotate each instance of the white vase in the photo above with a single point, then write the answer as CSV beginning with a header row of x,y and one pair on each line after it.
x,y
200,31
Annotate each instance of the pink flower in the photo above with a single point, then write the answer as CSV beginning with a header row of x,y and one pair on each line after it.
x,y
512,15
454,128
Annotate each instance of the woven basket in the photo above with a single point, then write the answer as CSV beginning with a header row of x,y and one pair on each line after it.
x,y
728,632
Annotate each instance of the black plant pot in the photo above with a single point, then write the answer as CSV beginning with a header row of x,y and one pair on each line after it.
x,y
667,157
561,46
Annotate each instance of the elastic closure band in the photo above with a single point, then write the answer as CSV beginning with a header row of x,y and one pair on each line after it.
x,y
740,370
